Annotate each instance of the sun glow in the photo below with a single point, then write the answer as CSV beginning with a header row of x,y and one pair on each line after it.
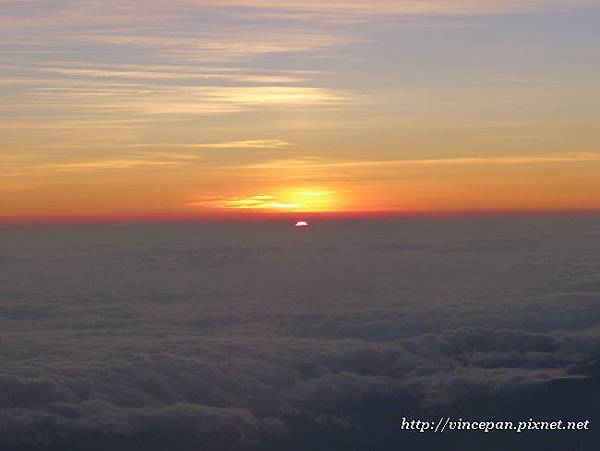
x,y
313,200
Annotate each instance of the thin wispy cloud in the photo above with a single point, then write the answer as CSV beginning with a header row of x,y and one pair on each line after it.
x,y
101,165
312,163
242,144
402,6
247,203
248,144
292,200
86,99
127,11
214,47
346,11
170,75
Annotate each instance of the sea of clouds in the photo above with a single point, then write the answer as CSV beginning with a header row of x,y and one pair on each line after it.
x,y
256,336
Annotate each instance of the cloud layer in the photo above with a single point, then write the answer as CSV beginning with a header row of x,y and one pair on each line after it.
x,y
250,336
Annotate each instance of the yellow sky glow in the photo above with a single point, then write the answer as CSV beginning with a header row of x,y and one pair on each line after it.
x,y
287,200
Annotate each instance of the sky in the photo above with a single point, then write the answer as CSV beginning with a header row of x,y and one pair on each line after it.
x,y
200,107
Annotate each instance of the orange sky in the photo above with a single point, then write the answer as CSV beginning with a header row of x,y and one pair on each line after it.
x,y
248,106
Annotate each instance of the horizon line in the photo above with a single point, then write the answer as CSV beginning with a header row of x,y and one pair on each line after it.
x,y
158,218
